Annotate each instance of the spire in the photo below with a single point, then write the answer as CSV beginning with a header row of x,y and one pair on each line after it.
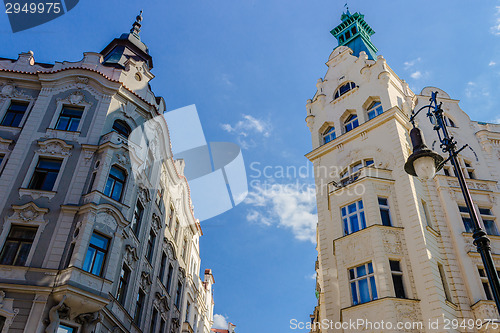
x,y
136,26
355,33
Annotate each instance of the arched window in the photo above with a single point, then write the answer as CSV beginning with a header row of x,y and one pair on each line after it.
x,y
329,134
374,110
115,183
121,127
351,122
344,88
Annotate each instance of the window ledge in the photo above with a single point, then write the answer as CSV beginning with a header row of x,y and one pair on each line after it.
x,y
63,135
14,130
36,194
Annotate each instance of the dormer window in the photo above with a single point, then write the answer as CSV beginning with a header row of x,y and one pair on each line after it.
x,y
329,134
351,122
344,88
449,122
374,110
353,30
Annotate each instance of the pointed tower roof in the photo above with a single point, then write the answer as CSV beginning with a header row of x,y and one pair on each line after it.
x,y
128,45
355,33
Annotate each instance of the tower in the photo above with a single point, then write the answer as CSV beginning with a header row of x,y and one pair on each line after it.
x,y
391,248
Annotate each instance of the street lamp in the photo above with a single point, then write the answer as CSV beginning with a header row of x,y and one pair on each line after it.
x,y
424,163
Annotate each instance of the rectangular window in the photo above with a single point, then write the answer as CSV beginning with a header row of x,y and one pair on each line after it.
x,y
115,183
123,284
151,245
385,215
18,245
446,289
136,219
152,326
45,174
91,183
485,283
169,277
69,119
163,263
397,278
468,224
489,221
427,216
139,303
14,114
374,110
362,281
353,217
178,295
96,254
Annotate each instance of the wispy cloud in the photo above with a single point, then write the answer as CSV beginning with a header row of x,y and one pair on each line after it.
x,y
289,206
416,75
312,276
225,79
476,90
492,63
410,63
495,29
247,126
220,322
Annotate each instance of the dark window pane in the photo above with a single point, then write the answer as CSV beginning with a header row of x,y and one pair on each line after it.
x,y
395,266
386,219
17,245
361,271
485,211
490,227
469,226
364,293
463,209
382,201
487,291
121,128
14,114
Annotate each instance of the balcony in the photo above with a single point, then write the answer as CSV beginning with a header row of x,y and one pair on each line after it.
x,y
366,172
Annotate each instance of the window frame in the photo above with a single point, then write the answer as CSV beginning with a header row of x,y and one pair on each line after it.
x,y
40,170
6,105
346,217
95,247
329,133
123,191
124,124
139,306
385,208
19,241
71,118
371,283
376,108
338,92
123,284
71,101
350,120
398,274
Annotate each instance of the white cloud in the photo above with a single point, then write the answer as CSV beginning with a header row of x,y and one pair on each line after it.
x,y
289,206
247,126
492,63
416,75
312,276
409,64
495,29
220,322
475,90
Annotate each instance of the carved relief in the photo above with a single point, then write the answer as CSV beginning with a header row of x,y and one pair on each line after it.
x,y
28,212
392,242
131,256
355,247
162,301
145,280
75,98
54,147
122,159
10,90
156,222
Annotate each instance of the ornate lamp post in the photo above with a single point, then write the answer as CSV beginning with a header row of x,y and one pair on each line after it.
x,y
424,163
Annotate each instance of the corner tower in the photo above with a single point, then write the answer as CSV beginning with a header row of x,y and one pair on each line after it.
x,y
355,33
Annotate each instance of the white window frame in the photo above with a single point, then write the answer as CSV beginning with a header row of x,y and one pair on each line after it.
x,y
347,216
29,215
51,149
28,99
74,99
356,279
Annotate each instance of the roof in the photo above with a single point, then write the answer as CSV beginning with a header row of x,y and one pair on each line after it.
x,y
219,330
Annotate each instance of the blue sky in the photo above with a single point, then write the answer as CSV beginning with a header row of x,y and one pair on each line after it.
x,y
249,66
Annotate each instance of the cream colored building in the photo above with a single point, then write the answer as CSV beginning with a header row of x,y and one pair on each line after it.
x,y
97,230
392,248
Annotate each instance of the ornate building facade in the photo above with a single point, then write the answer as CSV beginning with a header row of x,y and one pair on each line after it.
x,y
393,248
97,230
